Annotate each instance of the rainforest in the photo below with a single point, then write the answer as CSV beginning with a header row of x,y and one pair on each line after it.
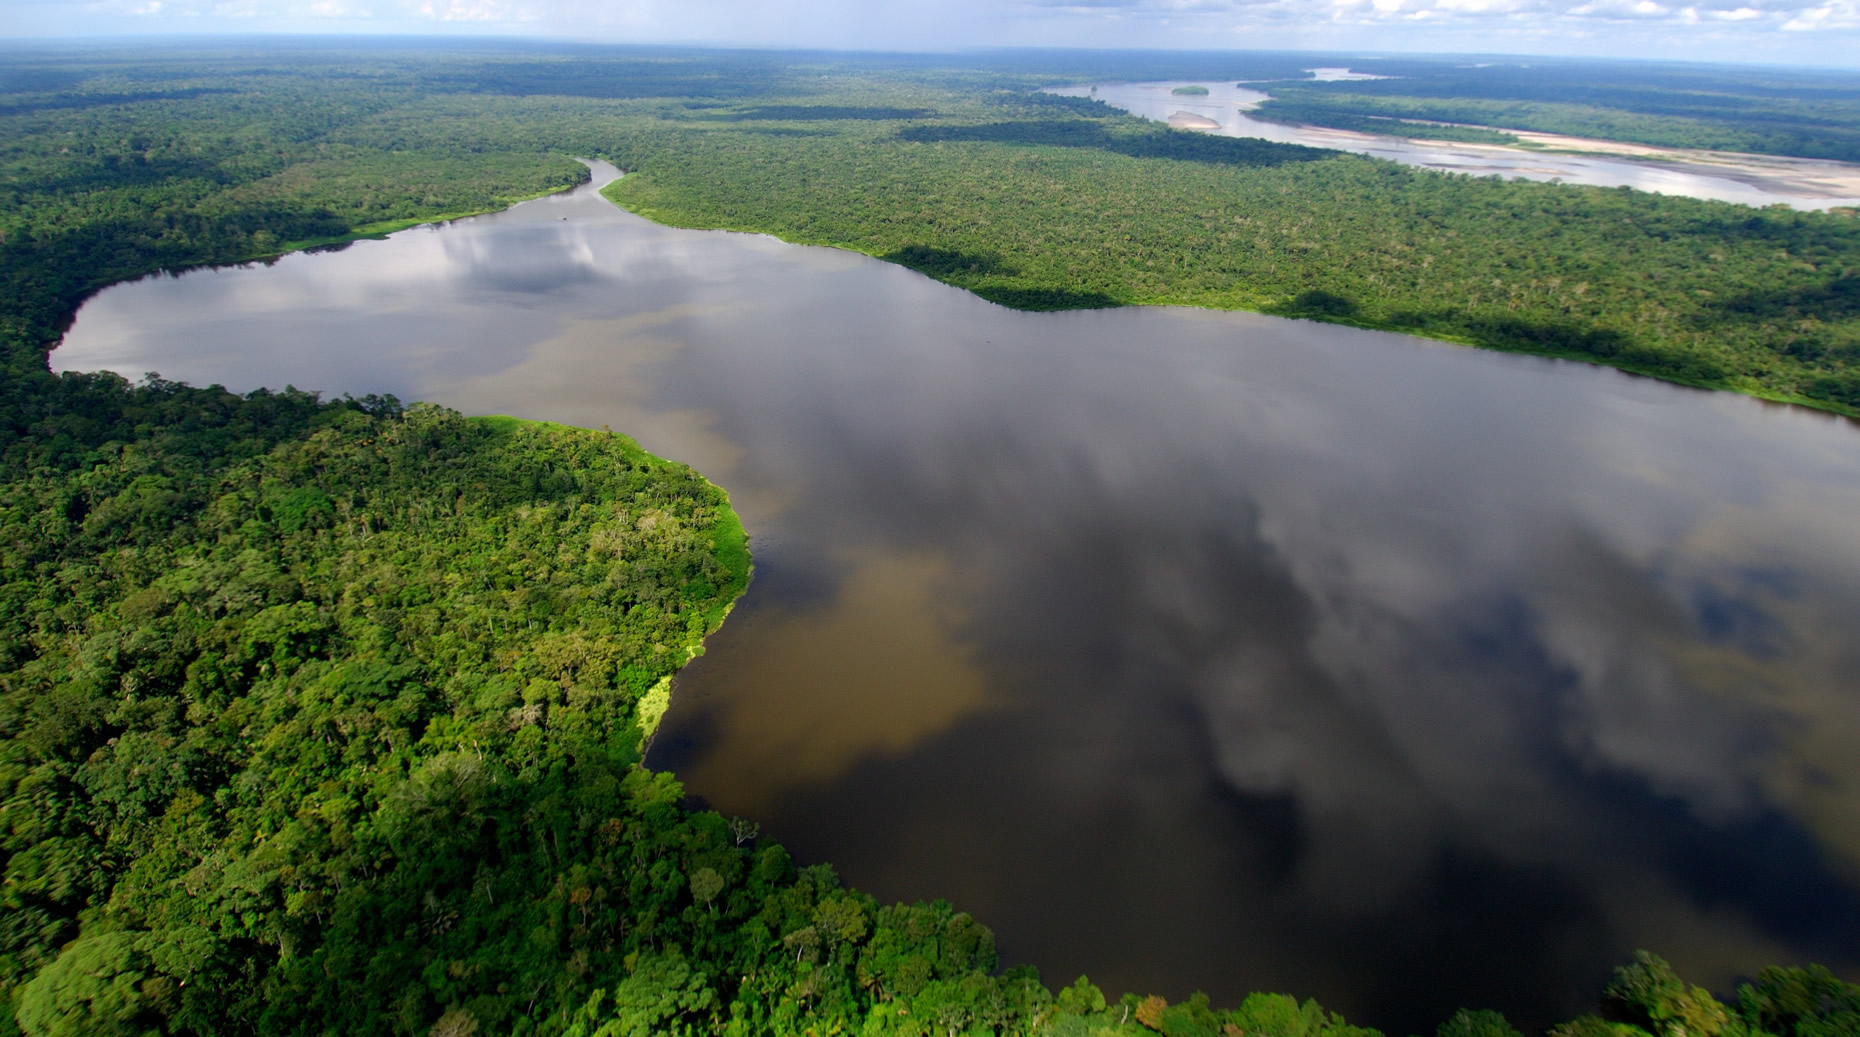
x,y
327,714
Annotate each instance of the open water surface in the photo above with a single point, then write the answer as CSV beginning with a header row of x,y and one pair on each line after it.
x,y
1186,649
1745,179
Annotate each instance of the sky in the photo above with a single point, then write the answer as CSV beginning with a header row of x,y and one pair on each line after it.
x,y
1790,32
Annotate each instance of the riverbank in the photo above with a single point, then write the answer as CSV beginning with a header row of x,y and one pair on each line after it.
x,y
1743,178
910,592
382,228
425,816
1628,280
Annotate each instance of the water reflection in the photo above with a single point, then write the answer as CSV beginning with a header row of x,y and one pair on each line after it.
x,y
1191,650
1727,177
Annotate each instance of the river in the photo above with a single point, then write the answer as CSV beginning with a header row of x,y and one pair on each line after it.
x,y
1723,176
1189,650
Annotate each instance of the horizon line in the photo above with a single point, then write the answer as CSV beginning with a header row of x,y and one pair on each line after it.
x,y
159,38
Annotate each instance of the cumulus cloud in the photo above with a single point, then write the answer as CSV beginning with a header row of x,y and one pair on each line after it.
x,y
1786,31
475,10
1524,13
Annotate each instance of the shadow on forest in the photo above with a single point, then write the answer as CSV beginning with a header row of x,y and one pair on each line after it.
x,y
1836,299
824,113
118,171
960,268
783,131
1046,298
1514,334
1147,142
1318,305
1568,339
1802,324
1089,107
70,101
945,263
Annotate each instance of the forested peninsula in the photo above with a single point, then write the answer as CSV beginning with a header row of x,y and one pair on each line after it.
x,y
325,716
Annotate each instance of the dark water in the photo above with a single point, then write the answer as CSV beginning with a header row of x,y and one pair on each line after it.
x,y
1189,650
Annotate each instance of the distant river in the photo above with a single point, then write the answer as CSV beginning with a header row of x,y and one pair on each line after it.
x,y
1724,176
1187,649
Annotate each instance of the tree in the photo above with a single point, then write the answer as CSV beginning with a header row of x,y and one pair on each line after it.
x,y
1647,993
98,985
1469,1023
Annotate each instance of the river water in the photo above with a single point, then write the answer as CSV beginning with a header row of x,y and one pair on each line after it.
x,y
1723,176
1189,650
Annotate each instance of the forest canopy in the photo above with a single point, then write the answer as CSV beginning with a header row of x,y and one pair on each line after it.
x,y
140,161
325,716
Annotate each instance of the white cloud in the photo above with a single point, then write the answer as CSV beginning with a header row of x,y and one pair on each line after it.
x,y
1781,31
1841,14
474,10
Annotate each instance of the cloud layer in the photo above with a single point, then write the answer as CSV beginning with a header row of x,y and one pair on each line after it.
x,y
1783,31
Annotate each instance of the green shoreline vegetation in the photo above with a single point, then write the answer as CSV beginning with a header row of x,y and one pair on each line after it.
x,y
1798,127
1293,112
325,716
1044,206
383,228
968,175
1190,91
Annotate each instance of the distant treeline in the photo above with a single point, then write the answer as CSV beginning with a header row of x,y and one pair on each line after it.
x,y
1059,207
324,717
1371,120
1809,114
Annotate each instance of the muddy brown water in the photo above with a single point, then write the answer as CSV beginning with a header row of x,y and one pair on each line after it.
x,y
1189,650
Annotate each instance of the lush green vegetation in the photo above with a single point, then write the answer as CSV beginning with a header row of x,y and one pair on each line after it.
x,y
1812,114
1190,91
1038,205
325,717
1336,113
1028,199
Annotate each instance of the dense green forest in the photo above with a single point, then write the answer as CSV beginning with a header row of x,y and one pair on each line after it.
x,y
1340,113
1772,111
964,172
1038,205
325,717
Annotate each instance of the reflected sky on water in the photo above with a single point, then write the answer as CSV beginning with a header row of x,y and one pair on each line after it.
x,y
1189,650
1745,179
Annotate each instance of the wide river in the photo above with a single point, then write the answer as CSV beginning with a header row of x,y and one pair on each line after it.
x,y
1724,176
1189,650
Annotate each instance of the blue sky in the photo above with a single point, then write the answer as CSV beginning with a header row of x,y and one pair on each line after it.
x,y
1793,32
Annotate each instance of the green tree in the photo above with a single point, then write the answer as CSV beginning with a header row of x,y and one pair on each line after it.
x,y
100,984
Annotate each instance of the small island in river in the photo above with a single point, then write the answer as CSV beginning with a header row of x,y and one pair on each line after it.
x,y
1191,121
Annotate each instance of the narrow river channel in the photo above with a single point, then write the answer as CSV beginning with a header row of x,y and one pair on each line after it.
x,y
1189,650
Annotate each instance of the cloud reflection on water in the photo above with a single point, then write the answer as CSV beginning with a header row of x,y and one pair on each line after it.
x,y
1188,649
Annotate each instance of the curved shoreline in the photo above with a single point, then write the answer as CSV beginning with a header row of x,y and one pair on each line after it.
x,y
1817,184
729,543
609,192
